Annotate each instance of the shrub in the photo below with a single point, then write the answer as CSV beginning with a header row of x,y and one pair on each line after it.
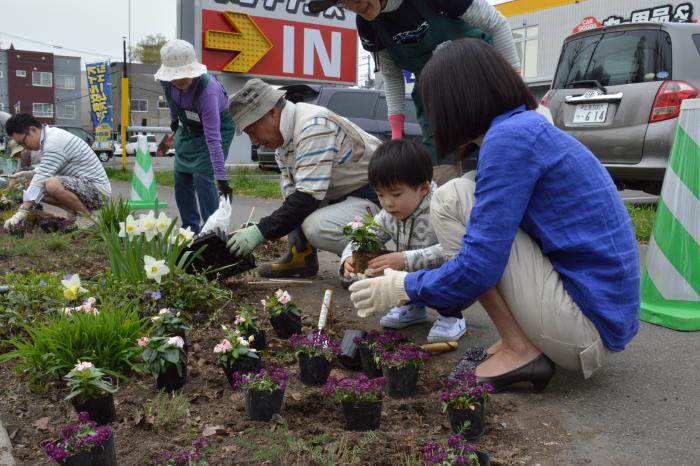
x,y
33,295
107,340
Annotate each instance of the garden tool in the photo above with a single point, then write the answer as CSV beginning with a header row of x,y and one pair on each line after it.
x,y
325,316
440,347
301,259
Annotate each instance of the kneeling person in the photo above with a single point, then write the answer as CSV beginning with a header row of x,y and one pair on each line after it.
x,y
323,161
69,176
401,172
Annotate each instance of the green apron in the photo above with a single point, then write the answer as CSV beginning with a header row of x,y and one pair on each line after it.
x,y
413,57
191,151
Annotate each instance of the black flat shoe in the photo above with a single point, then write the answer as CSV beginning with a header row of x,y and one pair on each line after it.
x,y
539,372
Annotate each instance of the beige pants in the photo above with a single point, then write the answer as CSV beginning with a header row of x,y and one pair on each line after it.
x,y
529,285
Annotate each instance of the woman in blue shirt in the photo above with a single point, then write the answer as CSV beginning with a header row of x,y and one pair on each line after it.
x,y
549,248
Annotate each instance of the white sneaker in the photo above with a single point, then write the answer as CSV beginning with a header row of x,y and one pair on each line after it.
x,y
403,316
447,329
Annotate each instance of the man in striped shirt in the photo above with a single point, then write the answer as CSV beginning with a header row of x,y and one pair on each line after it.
x,y
69,175
323,161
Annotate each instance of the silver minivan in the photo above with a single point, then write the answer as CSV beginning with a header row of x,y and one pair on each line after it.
x,y
618,90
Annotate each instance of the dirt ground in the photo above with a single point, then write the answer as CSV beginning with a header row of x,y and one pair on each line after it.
x,y
310,429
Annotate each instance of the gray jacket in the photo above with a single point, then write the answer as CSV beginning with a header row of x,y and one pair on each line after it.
x,y
414,236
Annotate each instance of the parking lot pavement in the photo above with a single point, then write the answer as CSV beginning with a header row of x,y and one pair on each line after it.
x,y
638,197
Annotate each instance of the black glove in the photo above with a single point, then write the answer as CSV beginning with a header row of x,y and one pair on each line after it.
x,y
174,125
224,188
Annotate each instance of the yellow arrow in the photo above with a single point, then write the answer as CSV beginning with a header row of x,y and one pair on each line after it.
x,y
248,40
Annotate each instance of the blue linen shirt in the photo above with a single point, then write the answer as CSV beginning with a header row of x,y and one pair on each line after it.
x,y
533,176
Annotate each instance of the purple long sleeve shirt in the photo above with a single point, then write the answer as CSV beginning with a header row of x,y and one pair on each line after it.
x,y
212,102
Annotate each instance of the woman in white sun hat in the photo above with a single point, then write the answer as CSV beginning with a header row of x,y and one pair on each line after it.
x,y
203,131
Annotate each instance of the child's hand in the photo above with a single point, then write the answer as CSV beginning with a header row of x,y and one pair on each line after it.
x,y
348,266
393,261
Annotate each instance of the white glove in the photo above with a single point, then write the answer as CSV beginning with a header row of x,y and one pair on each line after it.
x,y
24,174
379,294
20,215
20,178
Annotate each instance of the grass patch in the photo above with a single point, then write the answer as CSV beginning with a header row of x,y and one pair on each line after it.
x,y
57,243
244,181
166,410
643,220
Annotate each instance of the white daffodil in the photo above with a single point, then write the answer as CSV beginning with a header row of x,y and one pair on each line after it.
x,y
184,236
71,287
155,269
162,222
148,224
129,227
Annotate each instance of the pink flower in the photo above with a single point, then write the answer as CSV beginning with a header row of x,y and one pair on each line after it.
x,y
283,297
176,341
355,225
239,320
83,365
263,302
225,345
143,341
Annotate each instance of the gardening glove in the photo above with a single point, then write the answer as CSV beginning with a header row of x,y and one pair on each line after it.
x,y
225,189
379,294
20,178
15,220
243,241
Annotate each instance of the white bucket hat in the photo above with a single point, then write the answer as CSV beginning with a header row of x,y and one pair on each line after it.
x,y
178,61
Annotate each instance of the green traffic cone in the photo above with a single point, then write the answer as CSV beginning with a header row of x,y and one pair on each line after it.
x,y
144,192
670,286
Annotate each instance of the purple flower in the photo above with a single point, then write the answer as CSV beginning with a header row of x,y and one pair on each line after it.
x,y
403,355
80,436
156,295
359,389
42,283
463,391
198,317
267,378
315,344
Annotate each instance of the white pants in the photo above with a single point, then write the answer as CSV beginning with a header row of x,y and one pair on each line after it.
x,y
529,285
324,227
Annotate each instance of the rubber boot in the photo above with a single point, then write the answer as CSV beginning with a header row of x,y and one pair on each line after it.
x,y
301,259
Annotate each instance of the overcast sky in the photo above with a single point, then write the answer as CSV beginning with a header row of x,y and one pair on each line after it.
x,y
91,29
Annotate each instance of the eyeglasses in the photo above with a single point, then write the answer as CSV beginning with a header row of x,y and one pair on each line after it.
x,y
24,139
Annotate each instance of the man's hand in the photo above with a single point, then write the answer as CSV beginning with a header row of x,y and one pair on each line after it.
x,y
225,188
17,218
243,241
349,266
174,125
379,294
393,261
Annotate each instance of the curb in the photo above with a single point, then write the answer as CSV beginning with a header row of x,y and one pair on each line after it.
x,y
6,458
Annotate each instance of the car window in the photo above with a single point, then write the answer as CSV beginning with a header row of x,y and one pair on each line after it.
x,y
151,138
382,110
615,58
132,139
353,104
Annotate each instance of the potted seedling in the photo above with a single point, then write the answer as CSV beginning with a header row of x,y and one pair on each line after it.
x,y
457,452
166,360
361,399
375,341
285,316
169,323
236,354
465,401
315,353
264,392
247,323
83,444
400,367
91,392
363,234
196,456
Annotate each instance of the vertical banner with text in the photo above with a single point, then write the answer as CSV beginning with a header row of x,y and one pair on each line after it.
x,y
100,102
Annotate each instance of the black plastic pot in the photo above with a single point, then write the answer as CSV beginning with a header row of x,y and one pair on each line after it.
x,y
261,405
484,459
258,342
369,367
286,324
362,416
401,383
104,455
313,371
101,410
241,365
475,418
170,380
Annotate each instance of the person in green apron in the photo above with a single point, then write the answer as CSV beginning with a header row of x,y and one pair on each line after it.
x,y
203,131
403,34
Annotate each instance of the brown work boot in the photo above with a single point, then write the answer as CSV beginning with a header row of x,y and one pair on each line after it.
x,y
301,259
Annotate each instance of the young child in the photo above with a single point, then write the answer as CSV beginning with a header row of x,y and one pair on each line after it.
x,y
401,173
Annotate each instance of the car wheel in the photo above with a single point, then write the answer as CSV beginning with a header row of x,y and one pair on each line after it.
x,y
103,156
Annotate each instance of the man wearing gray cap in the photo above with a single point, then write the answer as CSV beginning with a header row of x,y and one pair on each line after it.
x,y
323,161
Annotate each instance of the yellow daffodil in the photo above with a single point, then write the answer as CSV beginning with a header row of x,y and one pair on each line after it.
x,y
71,287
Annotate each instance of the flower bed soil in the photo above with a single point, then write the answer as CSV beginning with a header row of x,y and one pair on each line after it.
x,y
310,429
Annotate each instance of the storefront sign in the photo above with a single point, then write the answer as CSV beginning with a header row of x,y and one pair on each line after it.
x,y
683,13
589,22
100,102
279,38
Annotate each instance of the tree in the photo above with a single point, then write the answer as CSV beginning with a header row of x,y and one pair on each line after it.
x,y
147,50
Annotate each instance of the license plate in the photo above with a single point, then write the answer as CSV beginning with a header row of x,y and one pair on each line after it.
x,y
590,113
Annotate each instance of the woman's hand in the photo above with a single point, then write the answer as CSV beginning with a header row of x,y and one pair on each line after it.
x,y
349,266
393,261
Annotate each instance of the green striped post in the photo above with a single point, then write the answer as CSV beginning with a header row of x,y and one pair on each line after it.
x,y
144,192
670,287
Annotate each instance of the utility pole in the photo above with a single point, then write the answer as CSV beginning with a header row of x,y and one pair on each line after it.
x,y
125,104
